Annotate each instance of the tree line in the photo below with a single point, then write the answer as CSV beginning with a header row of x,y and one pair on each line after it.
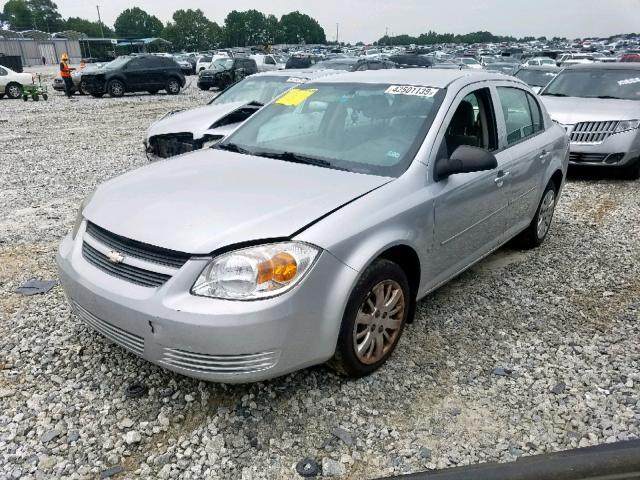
x,y
432,38
188,30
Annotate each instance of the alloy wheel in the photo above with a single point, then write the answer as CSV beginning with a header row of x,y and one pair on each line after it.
x,y
546,213
14,91
173,86
378,322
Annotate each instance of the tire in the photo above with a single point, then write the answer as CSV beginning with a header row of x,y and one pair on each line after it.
x,y
115,88
153,92
13,90
45,97
1,96
633,171
82,88
365,323
36,98
539,227
25,98
173,86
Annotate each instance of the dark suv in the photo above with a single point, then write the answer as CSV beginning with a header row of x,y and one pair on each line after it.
x,y
224,72
136,73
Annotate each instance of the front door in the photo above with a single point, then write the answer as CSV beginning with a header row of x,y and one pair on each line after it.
x,y
470,208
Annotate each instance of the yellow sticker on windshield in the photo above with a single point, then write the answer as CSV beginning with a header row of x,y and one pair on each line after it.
x,y
295,96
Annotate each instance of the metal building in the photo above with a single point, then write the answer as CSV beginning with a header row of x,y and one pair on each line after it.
x,y
33,51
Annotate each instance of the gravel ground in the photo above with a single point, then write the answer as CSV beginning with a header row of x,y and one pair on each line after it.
x,y
528,352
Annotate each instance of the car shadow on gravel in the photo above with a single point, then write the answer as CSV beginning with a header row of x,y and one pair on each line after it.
x,y
579,173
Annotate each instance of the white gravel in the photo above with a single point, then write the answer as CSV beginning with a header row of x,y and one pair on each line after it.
x,y
528,352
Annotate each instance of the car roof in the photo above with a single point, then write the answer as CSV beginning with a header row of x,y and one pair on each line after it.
x,y
541,68
438,78
298,73
604,66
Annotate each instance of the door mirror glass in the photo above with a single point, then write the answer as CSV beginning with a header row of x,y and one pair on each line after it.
x,y
465,159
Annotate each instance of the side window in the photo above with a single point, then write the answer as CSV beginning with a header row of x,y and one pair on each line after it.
x,y
472,124
269,60
134,64
3,72
536,114
519,119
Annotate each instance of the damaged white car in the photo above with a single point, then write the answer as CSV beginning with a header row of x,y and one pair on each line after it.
x,y
182,131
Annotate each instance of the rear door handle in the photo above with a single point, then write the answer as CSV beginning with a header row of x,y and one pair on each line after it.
x,y
544,155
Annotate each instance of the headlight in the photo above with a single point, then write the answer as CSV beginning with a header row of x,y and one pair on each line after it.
x,y
79,217
256,272
625,125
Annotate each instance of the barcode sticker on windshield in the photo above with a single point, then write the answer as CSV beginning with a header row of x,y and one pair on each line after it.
x,y
296,80
629,81
411,90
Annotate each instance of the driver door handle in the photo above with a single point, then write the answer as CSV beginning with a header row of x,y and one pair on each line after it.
x,y
499,180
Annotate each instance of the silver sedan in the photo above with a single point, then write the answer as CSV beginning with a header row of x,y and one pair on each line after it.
x,y
309,234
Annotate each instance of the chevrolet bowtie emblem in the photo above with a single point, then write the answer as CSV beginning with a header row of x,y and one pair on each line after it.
x,y
115,257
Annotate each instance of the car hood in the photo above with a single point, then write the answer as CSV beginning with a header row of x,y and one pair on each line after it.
x,y
196,121
209,199
572,110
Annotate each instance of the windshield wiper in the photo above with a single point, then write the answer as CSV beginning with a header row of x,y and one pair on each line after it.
x,y
255,103
295,158
556,94
233,147
607,97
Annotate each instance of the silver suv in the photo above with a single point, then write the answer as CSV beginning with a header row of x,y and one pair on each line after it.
x,y
310,232
599,106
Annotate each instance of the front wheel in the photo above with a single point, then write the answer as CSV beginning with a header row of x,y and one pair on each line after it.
x,y
373,321
173,86
82,88
13,91
115,88
538,229
633,171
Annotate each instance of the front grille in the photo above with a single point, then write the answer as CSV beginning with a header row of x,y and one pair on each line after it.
x,y
123,271
578,157
127,340
137,249
592,132
223,364
165,146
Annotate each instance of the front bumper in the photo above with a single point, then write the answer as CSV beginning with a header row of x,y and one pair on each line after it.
x,y
617,150
94,85
211,339
208,82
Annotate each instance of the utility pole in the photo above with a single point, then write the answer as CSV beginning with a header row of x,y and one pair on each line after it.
x,y
100,20
386,35
337,34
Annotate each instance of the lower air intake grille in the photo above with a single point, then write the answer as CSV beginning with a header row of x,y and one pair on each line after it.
x,y
225,364
129,273
123,338
578,157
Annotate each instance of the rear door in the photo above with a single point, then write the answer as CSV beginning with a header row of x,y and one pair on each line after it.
x,y
523,139
136,74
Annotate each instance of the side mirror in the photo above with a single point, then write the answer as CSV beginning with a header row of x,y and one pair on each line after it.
x,y
465,159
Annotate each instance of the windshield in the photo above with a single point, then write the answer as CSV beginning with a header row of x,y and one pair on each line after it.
x,y
365,128
535,78
622,84
118,62
221,64
257,89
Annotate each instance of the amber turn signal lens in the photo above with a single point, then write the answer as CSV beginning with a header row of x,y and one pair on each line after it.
x,y
282,269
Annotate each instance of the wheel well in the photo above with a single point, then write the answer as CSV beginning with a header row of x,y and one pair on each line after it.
x,y
407,259
556,178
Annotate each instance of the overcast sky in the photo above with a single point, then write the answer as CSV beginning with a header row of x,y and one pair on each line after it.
x,y
367,20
